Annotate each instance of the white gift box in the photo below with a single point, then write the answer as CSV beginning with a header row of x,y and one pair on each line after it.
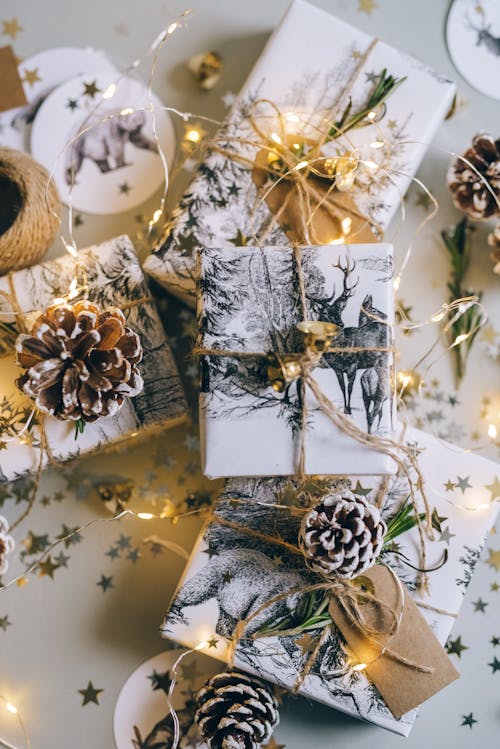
x,y
114,278
309,60
232,573
249,302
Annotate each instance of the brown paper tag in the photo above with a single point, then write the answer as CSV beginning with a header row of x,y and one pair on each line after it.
x,y
11,88
401,686
326,227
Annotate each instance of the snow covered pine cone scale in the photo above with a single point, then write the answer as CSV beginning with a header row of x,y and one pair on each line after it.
x,y
236,711
342,536
80,362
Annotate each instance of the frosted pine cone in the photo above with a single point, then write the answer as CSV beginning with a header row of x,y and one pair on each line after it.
x,y
6,545
494,243
235,711
469,192
342,536
80,363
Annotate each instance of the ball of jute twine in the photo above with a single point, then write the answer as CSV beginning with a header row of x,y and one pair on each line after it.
x,y
35,219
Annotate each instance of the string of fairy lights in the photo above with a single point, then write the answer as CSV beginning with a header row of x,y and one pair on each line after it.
x,y
194,137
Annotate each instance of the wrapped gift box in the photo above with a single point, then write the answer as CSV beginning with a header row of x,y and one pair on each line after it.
x,y
249,302
114,278
304,69
232,573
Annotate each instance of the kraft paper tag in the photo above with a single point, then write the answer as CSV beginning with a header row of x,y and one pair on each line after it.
x,y
285,202
11,88
401,686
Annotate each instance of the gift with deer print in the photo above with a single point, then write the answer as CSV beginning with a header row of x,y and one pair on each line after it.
x,y
296,349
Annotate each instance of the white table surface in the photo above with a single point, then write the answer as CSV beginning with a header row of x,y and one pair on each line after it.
x,y
60,633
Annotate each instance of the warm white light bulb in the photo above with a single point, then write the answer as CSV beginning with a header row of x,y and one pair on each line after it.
x,y
492,431
145,515
11,708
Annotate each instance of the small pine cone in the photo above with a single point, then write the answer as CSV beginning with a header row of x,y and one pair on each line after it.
x,y
7,545
342,536
235,711
80,362
469,192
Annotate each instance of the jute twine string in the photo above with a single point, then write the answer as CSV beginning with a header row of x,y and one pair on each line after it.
x,y
36,224
349,596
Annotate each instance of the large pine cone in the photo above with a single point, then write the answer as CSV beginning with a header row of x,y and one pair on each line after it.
x,y
469,192
342,536
80,363
235,711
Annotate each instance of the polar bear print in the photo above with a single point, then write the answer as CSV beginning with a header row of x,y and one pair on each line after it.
x,y
241,580
105,144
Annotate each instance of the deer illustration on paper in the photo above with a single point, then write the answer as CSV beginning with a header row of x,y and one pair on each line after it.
x,y
366,342
484,36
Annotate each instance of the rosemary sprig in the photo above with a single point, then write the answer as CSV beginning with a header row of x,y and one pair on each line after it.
x,y
463,331
385,86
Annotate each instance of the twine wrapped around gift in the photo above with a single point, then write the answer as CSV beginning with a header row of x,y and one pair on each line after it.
x,y
309,194
350,595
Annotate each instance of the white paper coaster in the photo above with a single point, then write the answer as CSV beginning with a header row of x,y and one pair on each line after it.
x,y
115,164
473,36
142,703
41,74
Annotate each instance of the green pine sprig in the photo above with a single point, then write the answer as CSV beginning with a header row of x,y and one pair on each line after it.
x,y
463,331
79,427
385,87
405,519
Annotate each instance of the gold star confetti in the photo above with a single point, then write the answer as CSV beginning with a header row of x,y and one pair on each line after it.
x,y
212,642
356,54
31,76
11,28
494,587
90,89
494,559
494,488
367,6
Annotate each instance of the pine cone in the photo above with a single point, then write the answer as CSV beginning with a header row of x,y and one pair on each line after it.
x,y
7,545
80,363
235,711
469,192
494,242
342,536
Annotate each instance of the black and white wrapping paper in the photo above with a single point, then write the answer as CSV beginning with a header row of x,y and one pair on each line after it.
x,y
114,278
304,69
249,302
232,573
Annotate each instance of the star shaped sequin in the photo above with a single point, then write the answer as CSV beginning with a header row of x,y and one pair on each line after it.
x,y
494,587
160,681
47,567
372,77
494,488
124,188
468,720
72,104
367,6
495,641
446,536
494,559
30,76
134,555
4,623
90,694
113,553
35,544
62,559
480,605
212,642
455,647
449,486
11,28
124,542
70,536
90,89
495,665
105,583
360,490
463,483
